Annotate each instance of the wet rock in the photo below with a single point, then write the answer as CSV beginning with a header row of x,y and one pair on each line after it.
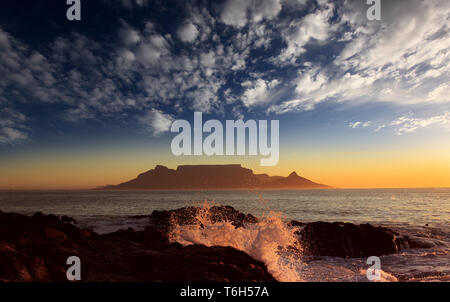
x,y
85,233
12,268
35,248
67,219
150,234
188,215
348,240
54,234
38,269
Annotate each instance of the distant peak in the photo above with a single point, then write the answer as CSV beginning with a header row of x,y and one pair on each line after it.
x,y
293,174
160,167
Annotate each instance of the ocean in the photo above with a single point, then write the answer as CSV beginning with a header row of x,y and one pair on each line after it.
x,y
423,214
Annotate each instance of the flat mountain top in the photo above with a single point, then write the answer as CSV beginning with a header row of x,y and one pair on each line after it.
x,y
232,176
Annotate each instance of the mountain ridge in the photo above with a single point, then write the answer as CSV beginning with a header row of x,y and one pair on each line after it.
x,y
231,176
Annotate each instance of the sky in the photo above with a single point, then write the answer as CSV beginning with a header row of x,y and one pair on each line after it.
x,y
361,103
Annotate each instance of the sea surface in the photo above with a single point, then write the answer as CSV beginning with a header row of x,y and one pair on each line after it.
x,y
423,214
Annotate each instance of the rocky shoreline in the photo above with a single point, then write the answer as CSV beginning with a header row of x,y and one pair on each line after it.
x,y
35,248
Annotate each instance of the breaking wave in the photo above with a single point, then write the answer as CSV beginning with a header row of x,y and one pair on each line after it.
x,y
271,241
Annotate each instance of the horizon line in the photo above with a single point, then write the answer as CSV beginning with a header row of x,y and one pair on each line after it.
x,y
223,189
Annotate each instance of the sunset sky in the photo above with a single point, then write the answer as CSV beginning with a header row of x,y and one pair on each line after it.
x,y
361,103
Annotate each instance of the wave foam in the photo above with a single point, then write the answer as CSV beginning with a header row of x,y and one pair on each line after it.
x,y
274,243
270,240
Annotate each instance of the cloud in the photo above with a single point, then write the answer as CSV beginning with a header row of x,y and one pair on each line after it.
x,y
264,9
440,93
258,92
404,59
156,121
78,113
312,27
10,135
187,32
33,76
28,71
234,12
310,81
407,124
354,125
129,36
12,126
274,57
291,106
188,80
237,13
379,127
152,49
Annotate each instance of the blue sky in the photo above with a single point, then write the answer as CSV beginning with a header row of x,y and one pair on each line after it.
x,y
130,67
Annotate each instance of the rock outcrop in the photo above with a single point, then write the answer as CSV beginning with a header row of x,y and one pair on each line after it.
x,y
162,220
35,248
349,240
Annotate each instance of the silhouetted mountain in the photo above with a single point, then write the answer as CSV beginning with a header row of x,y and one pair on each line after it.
x,y
293,181
211,177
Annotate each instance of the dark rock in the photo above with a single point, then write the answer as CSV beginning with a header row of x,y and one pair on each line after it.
x,y
348,240
139,216
67,219
296,223
38,269
54,234
193,263
188,215
35,248
150,234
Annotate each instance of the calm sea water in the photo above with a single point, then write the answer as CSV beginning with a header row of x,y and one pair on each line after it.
x,y
420,213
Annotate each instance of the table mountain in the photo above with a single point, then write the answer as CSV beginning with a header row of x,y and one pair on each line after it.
x,y
212,177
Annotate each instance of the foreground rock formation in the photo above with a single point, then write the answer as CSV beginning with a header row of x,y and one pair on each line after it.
x,y
36,249
349,240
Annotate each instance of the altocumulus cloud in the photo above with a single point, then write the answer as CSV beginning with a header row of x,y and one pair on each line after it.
x,y
187,32
156,121
237,57
11,126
